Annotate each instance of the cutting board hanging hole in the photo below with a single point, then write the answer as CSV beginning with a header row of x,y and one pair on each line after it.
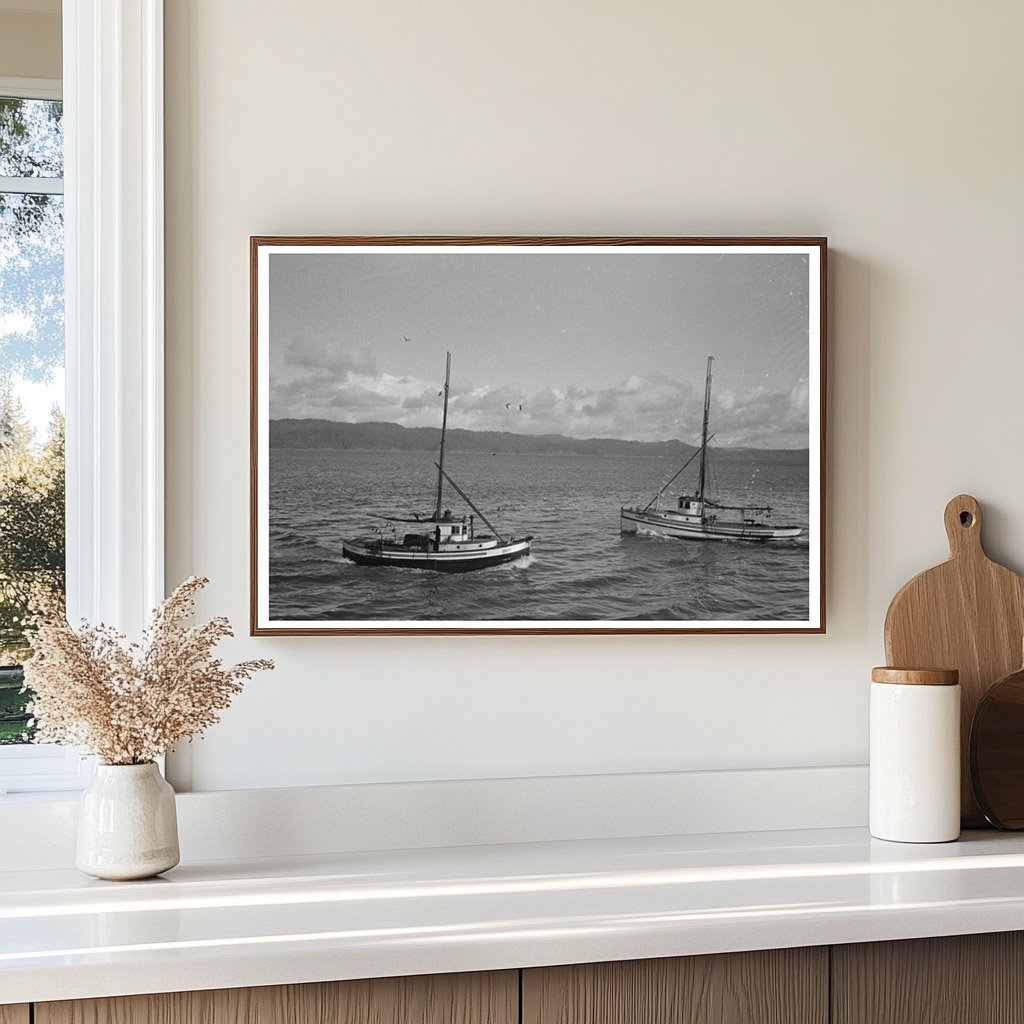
x,y
963,526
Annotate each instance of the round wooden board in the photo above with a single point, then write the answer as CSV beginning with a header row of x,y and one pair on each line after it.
x,y
997,752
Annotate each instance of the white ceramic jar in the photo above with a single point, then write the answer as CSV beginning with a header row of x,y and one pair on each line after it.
x,y
915,755
127,823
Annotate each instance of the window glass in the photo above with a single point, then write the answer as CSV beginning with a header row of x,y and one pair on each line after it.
x,y
31,386
31,138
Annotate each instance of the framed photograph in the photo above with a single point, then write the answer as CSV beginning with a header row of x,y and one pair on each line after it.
x,y
537,435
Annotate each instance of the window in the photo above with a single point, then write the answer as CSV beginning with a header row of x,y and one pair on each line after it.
x,y
113,332
31,405
31,382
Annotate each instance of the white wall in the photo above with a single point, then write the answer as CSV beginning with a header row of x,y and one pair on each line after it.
x,y
894,129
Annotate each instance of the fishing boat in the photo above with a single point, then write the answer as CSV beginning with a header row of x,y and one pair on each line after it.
x,y
440,540
698,517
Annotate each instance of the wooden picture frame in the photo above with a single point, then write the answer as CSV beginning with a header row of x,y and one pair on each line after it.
x,y
581,373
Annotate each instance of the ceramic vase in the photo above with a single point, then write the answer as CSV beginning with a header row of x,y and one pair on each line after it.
x,y
127,825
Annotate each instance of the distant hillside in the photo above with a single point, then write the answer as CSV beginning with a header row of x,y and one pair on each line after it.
x,y
392,437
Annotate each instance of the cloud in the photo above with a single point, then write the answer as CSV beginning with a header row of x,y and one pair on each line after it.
x,y
305,354
321,383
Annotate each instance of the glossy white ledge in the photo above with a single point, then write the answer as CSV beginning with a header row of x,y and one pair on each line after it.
x,y
326,820
300,919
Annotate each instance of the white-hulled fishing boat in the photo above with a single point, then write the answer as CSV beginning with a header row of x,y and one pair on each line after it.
x,y
698,517
442,541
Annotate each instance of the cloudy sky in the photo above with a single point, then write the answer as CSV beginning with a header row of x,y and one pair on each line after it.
x,y
590,345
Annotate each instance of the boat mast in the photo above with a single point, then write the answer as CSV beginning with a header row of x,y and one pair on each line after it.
x,y
444,428
704,433
465,497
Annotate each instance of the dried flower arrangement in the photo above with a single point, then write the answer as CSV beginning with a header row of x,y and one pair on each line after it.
x,y
130,703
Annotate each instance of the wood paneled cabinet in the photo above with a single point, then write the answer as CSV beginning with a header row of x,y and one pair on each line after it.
x,y
775,986
963,979
484,998
975,979
966,979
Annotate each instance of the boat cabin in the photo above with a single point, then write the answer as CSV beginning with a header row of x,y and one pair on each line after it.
x,y
449,529
446,530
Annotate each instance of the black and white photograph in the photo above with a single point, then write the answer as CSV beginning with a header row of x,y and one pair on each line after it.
x,y
537,435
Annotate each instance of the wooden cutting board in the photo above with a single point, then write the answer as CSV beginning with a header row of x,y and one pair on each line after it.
x,y
967,614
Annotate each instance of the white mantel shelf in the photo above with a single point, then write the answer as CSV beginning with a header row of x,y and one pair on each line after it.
x,y
225,924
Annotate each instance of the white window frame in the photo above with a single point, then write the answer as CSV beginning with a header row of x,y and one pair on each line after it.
x,y
114,336
31,89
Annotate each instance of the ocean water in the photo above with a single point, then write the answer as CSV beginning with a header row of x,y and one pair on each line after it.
x,y
580,566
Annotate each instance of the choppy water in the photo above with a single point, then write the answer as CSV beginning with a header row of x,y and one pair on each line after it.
x,y
581,567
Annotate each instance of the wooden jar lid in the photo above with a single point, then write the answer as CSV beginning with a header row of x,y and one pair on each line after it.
x,y
916,676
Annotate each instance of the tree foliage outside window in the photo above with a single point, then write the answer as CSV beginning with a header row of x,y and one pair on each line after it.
x,y
31,362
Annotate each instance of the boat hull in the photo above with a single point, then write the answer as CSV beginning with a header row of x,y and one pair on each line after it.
x,y
660,524
369,553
